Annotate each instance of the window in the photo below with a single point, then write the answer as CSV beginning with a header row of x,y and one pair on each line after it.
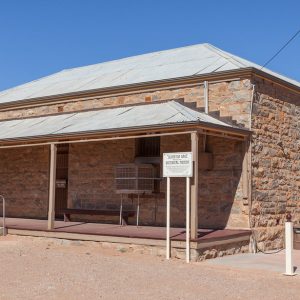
x,y
148,147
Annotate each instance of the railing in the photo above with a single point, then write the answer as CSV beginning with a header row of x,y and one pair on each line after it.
x,y
3,214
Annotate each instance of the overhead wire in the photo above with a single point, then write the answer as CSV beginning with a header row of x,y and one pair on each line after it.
x,y
281,49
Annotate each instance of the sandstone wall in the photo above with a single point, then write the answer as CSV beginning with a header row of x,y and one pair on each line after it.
x,y
231,99
91,182
220,202
91,173
220,189
275,161
24,181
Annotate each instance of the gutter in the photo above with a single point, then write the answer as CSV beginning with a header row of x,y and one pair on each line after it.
x,y
149,87
128,89
199,126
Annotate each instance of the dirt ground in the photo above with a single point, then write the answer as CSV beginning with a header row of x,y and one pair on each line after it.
x,y
40,268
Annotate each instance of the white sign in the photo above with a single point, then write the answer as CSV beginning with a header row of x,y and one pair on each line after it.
x,y
178,164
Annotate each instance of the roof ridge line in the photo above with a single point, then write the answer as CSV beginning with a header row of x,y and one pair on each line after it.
x,y
225,54
131,56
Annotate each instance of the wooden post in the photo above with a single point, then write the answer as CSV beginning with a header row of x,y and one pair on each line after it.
x,y
52,182
194,186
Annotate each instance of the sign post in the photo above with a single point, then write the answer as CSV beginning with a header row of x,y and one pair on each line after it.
x,y
178,164
187,234
168,219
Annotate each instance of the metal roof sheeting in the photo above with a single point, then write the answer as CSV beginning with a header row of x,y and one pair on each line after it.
x,y
105,120
180,62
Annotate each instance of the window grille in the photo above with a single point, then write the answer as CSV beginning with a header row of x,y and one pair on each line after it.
x,y
134,178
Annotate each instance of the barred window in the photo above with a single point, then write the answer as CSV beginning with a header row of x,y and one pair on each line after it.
x,y
148,147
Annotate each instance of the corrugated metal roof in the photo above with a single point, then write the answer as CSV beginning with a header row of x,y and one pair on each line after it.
x,y
180,62
105,120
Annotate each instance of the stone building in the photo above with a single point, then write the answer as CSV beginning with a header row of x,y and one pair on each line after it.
x,y
240,121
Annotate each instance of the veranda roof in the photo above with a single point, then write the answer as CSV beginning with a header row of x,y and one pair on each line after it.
x,y
157,115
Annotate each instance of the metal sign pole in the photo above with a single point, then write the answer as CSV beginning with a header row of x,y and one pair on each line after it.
x,y
178,164
3,215
121,210
187,219
168,219
138,210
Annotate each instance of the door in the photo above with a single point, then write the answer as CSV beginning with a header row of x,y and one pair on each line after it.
x,y
62,171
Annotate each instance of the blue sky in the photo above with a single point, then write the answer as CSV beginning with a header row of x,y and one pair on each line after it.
x,y
40,37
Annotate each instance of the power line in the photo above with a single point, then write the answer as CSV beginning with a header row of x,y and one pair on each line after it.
x,y
293,37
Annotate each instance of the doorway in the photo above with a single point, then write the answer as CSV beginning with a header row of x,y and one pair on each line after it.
x,y
62,172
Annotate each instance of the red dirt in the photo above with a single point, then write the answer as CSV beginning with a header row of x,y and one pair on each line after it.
x,y
41,268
